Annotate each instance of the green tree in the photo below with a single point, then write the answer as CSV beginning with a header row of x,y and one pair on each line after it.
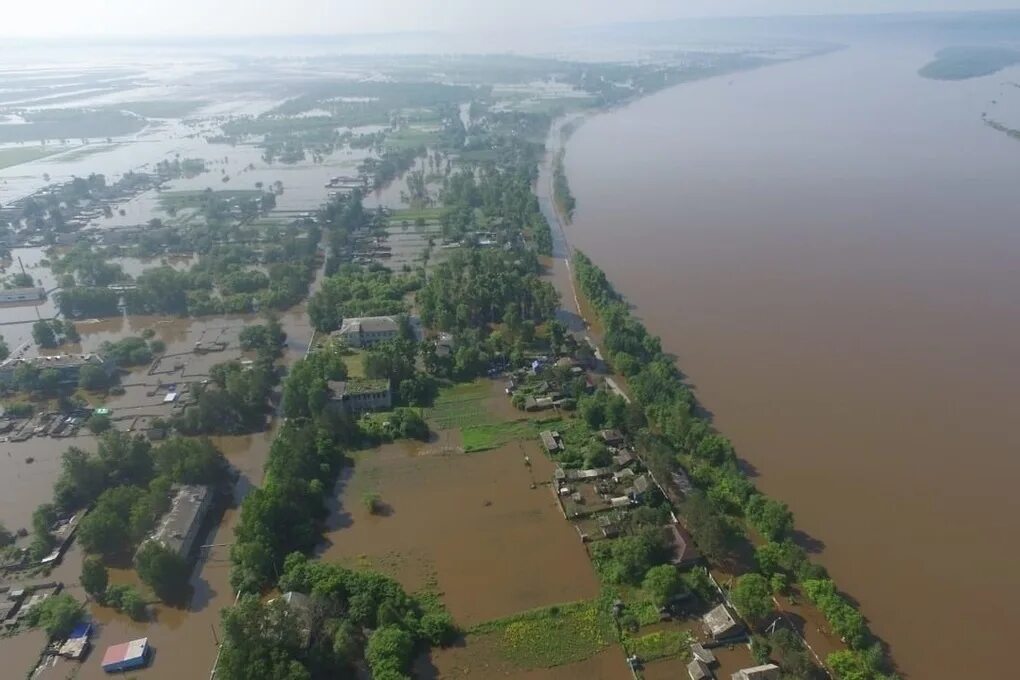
x,y
389,650
663,583
94,577
752,596
163,570
771,518
49,380
92,378
6,537
57,615
5,351
99,423
43,335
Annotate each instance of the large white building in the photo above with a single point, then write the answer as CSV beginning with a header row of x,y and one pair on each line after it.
x,y
365,331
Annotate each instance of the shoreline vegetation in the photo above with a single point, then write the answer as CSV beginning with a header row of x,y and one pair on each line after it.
x,y
680,440
963,63
565,201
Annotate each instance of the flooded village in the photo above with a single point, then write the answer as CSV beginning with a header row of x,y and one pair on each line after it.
x,y
306,377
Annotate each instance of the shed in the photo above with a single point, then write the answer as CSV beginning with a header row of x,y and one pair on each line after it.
x,y
611,437
126,656
699,652
698,670
620,502
551,441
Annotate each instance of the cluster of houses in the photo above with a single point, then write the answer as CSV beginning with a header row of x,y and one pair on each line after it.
x,y
16,601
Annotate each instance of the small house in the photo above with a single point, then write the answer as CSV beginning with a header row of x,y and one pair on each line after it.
x,y
698,670
551,441
608,525
611,437
720,623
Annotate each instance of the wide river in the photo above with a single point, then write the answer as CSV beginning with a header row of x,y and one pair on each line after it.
x,y
831,248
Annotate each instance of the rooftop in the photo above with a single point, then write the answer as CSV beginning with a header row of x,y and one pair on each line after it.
x,y
769,671
720,621
370,324
186,509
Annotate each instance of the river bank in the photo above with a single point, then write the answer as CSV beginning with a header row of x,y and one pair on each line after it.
x,y
822,313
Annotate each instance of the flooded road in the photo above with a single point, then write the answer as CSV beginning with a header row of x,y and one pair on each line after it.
x,y
829,247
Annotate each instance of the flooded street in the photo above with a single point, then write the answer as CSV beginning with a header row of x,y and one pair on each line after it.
x,y
829,247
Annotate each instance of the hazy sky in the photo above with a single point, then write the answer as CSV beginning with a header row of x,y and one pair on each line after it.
x,y
27,18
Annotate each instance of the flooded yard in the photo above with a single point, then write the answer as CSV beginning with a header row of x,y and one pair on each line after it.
x,y
483,529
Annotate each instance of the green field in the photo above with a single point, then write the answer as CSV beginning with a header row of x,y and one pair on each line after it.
x,y
552,636
660,645
461,406
485,437
410,138
16,155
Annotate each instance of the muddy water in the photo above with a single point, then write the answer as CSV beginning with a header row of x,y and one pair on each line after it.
x,y
830,248
469,524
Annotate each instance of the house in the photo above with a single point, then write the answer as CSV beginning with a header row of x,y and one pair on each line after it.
x,y
300,607
67,366
684,551
358,396
611,437
444,344
551,441
179,527
699,652
77,642
698,670
608,526
126,656
540,404
719,622
369,330
624,475
33,294
642,485
623,459
769,671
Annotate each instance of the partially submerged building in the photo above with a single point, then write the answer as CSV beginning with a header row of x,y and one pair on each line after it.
x,y
179,527
126,656
360,395
365,331
684,551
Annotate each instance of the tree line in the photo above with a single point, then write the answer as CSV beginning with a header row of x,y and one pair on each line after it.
x,y
680,438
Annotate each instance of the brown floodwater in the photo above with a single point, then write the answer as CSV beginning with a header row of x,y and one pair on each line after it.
x,y
483,528
830,247
184,639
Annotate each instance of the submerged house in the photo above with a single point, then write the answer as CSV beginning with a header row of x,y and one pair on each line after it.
x,y
769,671
67,366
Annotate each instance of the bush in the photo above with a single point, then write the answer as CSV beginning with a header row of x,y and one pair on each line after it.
x,y
99,423
57,615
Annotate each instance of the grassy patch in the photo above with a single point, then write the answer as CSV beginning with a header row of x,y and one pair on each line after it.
x,y
462,405
552,636
355,362
660,645
485,437
16,155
